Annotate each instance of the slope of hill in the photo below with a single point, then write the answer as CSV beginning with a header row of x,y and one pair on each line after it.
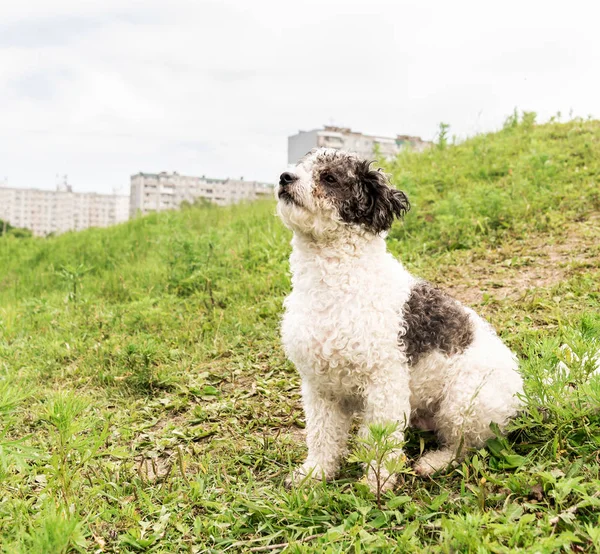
x,y
146,405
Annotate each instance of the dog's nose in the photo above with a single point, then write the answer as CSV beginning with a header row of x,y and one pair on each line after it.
x,y
287,178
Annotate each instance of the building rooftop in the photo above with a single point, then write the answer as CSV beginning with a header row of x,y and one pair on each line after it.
x,y
67,190
335,131
209,180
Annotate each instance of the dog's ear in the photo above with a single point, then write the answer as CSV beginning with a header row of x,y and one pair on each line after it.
x,y
382,203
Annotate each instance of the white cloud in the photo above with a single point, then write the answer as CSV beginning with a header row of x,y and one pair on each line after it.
x,y
100,90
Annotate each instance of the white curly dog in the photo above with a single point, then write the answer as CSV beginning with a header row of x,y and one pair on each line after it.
x,y
370,339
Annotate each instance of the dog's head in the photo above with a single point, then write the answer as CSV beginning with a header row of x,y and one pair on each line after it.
x,y
330,190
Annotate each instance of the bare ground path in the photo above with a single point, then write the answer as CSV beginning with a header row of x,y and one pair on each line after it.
x,y
521,266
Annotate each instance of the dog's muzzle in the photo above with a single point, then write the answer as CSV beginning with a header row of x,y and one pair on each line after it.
x,y
285,181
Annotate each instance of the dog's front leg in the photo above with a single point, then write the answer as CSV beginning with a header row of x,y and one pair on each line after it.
x,y
327,427
387,401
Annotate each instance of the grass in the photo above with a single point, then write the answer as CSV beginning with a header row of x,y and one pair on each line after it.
x,y
146,405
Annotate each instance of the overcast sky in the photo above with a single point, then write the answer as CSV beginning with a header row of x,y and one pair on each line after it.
x,y
102,90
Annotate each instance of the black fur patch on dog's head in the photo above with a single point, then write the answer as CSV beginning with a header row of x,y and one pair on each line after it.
x,y
362,196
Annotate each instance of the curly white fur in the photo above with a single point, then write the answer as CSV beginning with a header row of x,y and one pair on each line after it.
x,y
343,328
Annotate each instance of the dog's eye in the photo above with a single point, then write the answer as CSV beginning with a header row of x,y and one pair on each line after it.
x,y
328,178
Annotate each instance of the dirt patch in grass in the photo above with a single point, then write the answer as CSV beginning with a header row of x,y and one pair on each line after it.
x,y
517,267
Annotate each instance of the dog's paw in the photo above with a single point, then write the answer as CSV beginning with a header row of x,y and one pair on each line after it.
x,y
434,461
423,468
304,474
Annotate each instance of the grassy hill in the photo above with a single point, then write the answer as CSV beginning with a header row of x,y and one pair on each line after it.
x,y
146,405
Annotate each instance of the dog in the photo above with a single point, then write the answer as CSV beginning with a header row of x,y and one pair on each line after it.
x,y
370,339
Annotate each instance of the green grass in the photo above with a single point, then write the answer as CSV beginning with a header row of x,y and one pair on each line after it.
x,y
146,405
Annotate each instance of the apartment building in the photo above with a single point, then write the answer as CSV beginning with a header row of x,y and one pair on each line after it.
x,y
154,192
343,138
60,210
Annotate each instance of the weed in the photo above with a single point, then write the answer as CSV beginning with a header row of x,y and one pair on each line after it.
x,y
442,142
381,454
72,276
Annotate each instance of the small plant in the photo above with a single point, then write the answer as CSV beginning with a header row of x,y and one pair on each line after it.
x,y
512,121
142,359
443,136
55,531
72,276
74,443
381,454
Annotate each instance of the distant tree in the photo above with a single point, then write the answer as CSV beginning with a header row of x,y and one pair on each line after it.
x,y
5,226
20,233
203,202
7,229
